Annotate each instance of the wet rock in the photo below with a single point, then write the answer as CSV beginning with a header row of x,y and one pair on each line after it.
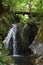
x,y
12,64
37,48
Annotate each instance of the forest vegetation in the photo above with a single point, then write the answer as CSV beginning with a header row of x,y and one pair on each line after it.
x,y
8,8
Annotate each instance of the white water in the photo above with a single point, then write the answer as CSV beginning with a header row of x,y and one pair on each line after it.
x,y
11,33
14,40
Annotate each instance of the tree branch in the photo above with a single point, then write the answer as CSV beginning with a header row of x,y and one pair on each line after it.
x,y
28,13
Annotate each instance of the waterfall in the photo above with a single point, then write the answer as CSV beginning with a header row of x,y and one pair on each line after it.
x,y
7,38
14,40
11,33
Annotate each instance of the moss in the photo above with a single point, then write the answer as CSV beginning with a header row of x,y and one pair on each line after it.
x,y
4,58
39,37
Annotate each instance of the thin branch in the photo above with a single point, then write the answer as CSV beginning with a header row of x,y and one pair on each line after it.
x,y
28,13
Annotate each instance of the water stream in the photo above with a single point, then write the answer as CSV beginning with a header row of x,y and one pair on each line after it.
x,y
11,33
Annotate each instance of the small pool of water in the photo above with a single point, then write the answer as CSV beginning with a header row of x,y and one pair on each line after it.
x,y
22,60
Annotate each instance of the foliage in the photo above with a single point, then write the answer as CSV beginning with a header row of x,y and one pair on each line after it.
x,y
7,17
4,58
39,37
8,7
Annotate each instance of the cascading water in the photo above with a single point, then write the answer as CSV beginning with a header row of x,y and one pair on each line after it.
x,y
7,38
11,33
14,43
14,39
19,50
